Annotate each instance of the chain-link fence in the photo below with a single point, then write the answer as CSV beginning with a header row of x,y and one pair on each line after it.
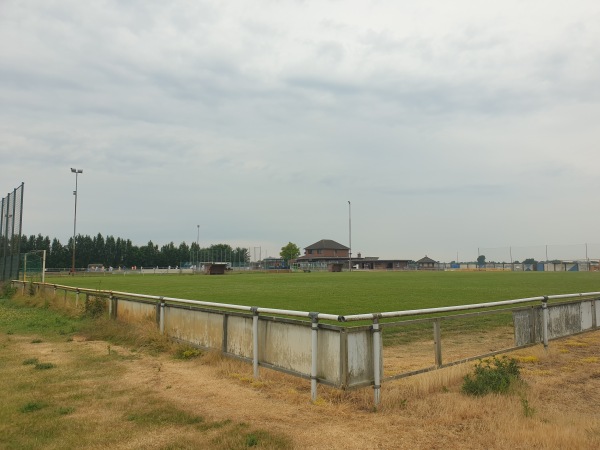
x,y
11,222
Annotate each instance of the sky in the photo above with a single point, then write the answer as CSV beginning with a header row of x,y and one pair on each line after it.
x,y
401,129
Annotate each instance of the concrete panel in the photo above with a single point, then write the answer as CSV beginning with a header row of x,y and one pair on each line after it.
x,y
196,327
527,326
131,311
285,345
564,320
329,357
360,357
586,315
289,346
239,336
597,308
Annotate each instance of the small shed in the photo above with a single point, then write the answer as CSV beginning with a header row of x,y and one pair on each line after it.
x,y
215,269
335,267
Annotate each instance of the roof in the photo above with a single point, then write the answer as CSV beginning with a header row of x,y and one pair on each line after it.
x,y
328,244
426,259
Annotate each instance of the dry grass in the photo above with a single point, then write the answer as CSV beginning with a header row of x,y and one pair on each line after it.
x,y
136,397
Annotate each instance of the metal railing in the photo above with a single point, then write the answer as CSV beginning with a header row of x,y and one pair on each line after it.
x,y
360,354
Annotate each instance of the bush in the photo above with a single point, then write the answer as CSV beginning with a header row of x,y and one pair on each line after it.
x,y
492,376
94,306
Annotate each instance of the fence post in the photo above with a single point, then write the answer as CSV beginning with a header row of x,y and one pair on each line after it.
x,y
545,322
162,317
437,341
254,310
77,298
314,345
113,306
376,360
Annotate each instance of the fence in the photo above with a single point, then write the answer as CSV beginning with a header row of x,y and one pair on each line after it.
x,y
319,349
11,221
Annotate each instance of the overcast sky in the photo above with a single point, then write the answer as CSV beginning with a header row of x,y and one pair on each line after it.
x,y
449,126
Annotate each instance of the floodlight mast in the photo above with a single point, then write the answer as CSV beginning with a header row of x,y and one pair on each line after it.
x,y
350,236
76,172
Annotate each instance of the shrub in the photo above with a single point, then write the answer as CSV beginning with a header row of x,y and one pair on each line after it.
x,y
492,376
94,306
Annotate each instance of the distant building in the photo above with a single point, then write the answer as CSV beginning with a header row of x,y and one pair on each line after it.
x,y
326,254
323,253
427,263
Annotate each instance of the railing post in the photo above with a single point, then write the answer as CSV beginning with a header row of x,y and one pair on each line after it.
x,y
545,322
314,354
254,310
161,323
437,341
376,361
113,306
77,298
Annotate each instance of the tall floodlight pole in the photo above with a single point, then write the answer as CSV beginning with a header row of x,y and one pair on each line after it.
x,y
197,247
76,172
350,236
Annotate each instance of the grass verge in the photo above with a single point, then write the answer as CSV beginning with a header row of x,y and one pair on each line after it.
x,y
64,388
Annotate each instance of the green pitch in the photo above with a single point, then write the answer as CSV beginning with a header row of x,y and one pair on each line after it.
x,y
347,292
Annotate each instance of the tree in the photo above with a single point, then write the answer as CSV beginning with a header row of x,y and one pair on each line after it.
x,y
289,252
481,260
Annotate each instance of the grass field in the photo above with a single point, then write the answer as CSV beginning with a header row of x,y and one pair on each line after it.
x,y
347,293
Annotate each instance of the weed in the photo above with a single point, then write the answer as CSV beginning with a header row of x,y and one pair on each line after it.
x,y
32,406
528,411
94,306
187,352
65,410
494,375
7,291
36,341
30,362
251,440
44,366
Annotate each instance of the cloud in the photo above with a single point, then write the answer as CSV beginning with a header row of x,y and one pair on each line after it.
x,y
261,122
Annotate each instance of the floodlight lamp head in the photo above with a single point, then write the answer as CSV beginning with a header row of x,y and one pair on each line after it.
x,y
73,170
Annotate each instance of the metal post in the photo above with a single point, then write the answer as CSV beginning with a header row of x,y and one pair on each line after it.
x,y
162,318
76,172
315,359
77,297
376,361
43,266
255,341
350,236
437,341
545,322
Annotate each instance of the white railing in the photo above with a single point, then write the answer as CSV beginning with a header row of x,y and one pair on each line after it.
x,y
342,356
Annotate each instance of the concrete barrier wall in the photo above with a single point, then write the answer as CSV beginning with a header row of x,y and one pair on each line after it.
x,y
563,320
129,311
201,328
344,357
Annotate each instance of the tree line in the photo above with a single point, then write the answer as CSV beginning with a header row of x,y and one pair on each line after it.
x,y
118,252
